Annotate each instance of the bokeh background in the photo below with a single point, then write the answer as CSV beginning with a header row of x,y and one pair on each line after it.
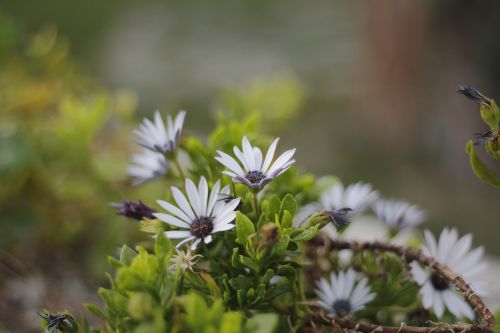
x,y
366,90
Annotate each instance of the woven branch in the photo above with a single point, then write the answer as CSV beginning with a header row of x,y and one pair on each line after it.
x,y
486,320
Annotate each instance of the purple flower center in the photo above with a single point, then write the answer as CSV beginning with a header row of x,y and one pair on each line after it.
x,y
202,226
255,177
439,282
342,307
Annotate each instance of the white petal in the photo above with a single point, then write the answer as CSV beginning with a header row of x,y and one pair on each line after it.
x,y
195,244
171,220
418,273
258,158
460,249
182,202
438,305
203,194
239,154
430,243
207,239
194,197
269,155
214,194
185,241
223,227
249,154
284,158
177,234
427,292
174,210
230,163
225,219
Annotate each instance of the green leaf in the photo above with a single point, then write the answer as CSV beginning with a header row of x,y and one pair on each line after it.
x,y
127,255
241,282
288,203
96,311
163,246
286,220
244,228
196,311
261,323
248,262
274,207
212,286
480,169
231,322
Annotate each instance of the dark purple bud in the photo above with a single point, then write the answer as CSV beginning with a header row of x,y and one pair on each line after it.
x,y
340,217
135,210
482,138
472,94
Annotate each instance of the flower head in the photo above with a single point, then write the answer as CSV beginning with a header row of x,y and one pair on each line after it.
x,y
184,260
437,293
398,214
200,213
342,295
147,165
158,137
341,204
135,210
254,171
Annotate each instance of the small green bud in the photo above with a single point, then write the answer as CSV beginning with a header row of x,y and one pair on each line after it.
x,y
320,218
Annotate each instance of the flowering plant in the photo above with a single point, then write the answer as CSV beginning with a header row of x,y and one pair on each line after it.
x,y
246,242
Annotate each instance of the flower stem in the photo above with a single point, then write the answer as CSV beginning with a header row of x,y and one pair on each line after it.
x,y
256,205
179,168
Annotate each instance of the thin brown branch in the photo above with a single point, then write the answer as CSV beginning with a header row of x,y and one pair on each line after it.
x,y
486,320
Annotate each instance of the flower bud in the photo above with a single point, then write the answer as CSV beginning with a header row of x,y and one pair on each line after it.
x,y
134,210
269,234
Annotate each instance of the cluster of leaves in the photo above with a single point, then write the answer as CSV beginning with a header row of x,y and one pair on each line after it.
x,y
143,298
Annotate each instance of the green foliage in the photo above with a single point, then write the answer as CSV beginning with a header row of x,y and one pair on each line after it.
x,y
56,169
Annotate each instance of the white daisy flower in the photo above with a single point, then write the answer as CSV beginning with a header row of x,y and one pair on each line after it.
x,y
158,137
256,171
437,294
202,214
147,165
398,214
342,295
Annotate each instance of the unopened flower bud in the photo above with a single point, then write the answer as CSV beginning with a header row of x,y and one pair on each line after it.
x,y
472,94
135,210
269,234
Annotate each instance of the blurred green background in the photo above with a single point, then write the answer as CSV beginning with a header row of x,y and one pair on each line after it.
x,y
365,91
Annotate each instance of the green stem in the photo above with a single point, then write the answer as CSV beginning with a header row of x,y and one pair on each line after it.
x,y
256,205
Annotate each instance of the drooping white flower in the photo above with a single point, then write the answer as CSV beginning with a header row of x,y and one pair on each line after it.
x,y
255,171
158,137
342,295
398,214
200,214
437,293
184,260
147,165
